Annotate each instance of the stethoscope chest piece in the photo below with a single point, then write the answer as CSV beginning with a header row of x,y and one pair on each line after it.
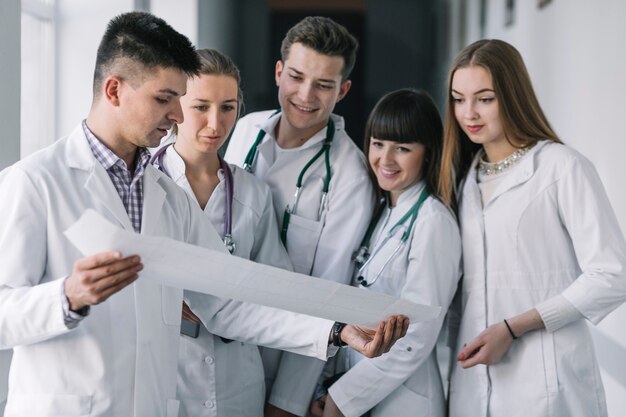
x,y
229,243
360,256
363,257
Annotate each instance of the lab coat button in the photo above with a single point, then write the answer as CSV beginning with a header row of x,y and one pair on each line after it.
x,y
409,348
209,404
208,360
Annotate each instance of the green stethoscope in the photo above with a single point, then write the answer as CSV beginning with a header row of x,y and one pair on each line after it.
x,y
289,210
362,257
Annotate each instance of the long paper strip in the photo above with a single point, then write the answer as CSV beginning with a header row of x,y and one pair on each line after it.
x,y
190,267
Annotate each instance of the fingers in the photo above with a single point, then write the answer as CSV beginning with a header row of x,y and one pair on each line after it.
x,y
189,315
95,278
402,326
471,354
474,358
390,333
375,347
116,273
113,271
119,285
90,262
395,328
366,341
469,349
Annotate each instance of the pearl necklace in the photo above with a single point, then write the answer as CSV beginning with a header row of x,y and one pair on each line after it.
x,y
494,168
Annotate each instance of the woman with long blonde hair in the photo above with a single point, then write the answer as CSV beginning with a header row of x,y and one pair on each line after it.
x,y
542,249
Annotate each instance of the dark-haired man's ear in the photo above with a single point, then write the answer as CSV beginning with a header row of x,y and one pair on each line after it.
x,y
111,87
279,70
343,90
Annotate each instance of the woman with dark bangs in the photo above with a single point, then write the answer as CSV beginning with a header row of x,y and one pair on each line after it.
x,y
412,250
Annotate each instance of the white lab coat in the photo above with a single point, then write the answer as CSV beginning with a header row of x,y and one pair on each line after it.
x,y
218,379
321,248
121,360
406,381
547,230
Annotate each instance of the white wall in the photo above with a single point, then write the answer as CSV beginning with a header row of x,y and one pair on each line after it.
x,y
10,110
576,57
10,19
182,15
80,27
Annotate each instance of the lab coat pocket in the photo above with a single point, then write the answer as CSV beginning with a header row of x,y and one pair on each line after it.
x,y
549,362
59,405
302,238
171,305
172,407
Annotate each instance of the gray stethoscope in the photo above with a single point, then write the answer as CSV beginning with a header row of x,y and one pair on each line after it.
x,y
363,257
157,161
289,210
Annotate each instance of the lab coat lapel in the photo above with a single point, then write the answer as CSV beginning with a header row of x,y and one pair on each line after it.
x,y
523,173
98,184
472,231
153,198
120,308
470,199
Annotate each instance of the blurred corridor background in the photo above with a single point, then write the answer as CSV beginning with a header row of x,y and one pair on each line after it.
x,y
574,50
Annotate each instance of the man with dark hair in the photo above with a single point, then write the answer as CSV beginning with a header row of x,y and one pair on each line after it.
x,y
324,36
305,150
88,337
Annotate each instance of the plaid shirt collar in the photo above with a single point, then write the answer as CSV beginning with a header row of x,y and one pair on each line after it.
x,y
108,159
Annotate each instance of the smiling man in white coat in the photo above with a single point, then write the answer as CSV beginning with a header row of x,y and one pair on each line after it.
x,y
88,337
305,147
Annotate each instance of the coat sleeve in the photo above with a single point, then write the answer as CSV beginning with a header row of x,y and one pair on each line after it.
x,y
599,245
263,326
30,310
431,278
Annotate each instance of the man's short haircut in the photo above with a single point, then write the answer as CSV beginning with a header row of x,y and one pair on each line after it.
x,y
325,36
136,42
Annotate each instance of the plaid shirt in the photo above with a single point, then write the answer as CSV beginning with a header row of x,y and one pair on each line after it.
x,y
130,189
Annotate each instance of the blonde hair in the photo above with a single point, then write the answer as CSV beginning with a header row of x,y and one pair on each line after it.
x,y
523,120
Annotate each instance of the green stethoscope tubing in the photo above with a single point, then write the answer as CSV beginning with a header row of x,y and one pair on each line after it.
x,y
330,134
362,258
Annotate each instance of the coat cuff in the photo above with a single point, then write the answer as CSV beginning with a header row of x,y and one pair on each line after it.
x,y
71,318
557,312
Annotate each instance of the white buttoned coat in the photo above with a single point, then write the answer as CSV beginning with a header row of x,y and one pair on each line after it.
x,y
121,360
215,378
547,230
318,245
405,381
